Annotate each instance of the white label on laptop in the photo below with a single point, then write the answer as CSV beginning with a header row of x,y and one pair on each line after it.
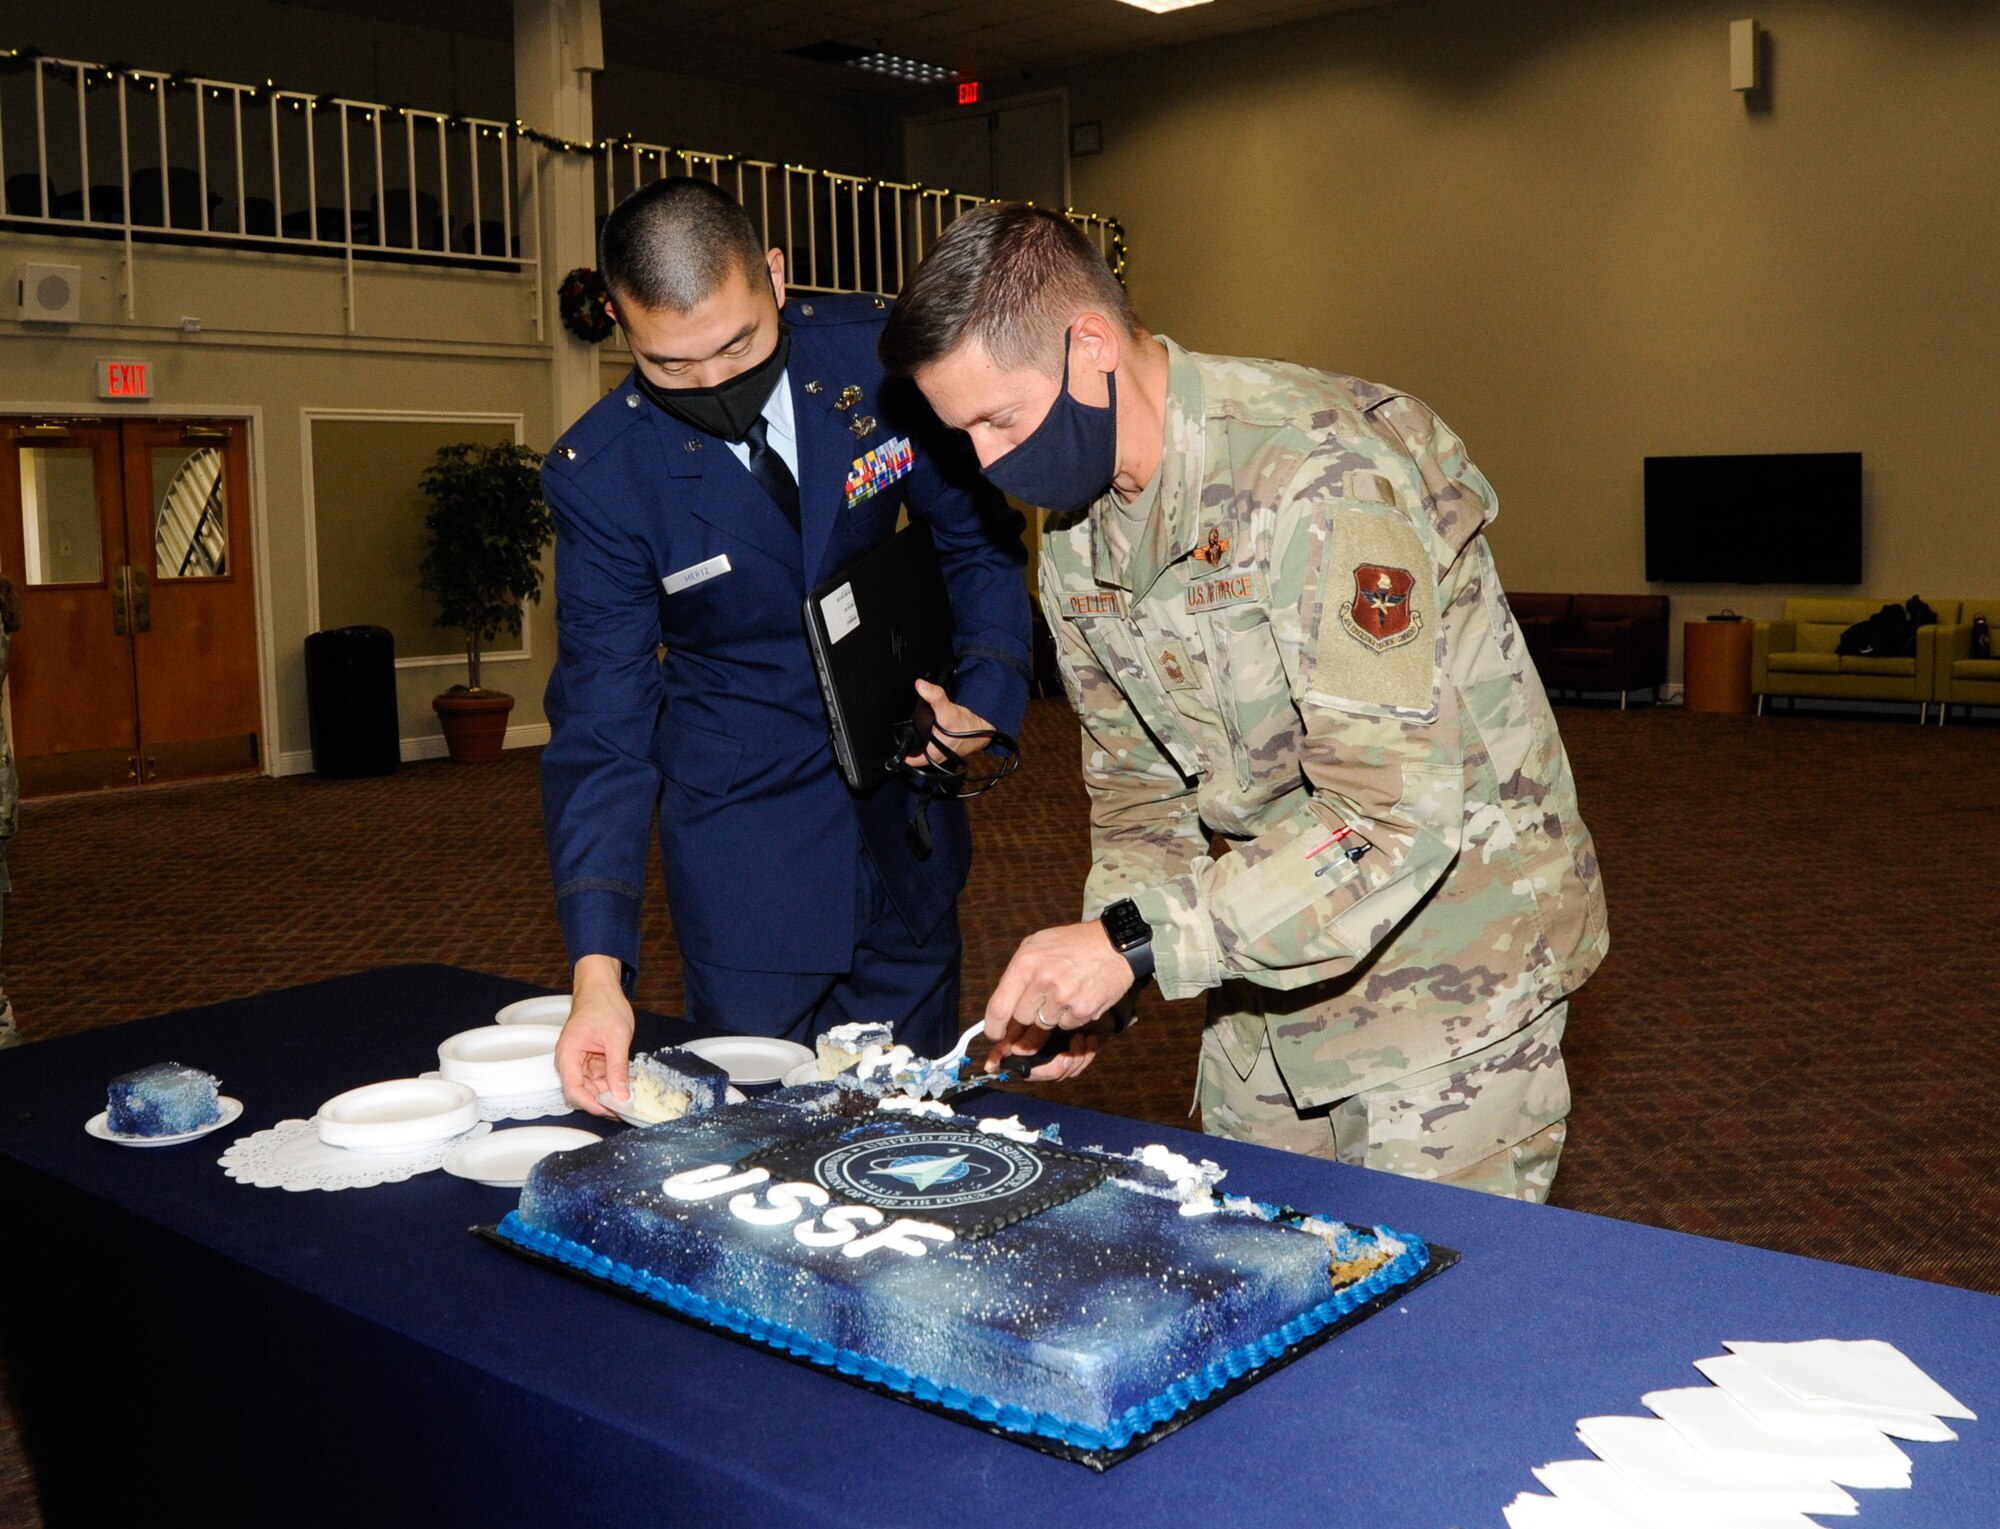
x,y
838,612
700,573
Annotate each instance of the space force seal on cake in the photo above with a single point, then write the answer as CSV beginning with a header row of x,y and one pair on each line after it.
x,y
1076,1300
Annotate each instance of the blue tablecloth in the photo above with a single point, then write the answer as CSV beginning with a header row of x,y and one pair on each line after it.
x,y
358,1357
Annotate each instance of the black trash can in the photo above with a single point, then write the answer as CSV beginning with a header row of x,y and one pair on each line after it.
x,y
351,700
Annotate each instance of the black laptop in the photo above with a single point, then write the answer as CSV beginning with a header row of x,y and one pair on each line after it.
x,y
875,629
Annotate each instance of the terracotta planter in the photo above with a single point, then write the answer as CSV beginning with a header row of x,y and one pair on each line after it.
x,y
475,723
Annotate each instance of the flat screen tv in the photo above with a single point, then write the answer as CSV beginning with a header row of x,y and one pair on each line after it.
x,y
1792,518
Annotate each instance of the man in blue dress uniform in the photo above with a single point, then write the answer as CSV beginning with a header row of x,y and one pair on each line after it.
x,y
695,506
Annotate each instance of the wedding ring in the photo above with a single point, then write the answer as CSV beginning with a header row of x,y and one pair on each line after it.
x,y
1041,1019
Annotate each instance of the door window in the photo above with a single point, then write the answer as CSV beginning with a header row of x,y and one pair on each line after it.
x,y
61,531
190,522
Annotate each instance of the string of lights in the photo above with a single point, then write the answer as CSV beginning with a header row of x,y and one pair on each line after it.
x,y
270,94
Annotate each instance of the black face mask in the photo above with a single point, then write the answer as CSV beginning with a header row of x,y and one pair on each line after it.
x,y
728,409
1072,455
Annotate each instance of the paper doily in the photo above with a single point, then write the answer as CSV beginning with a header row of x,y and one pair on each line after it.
x,y
518,1106
291,1156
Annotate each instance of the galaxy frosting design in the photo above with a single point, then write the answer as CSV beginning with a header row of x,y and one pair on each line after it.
x,y
951,1174
1088,1322
165,1099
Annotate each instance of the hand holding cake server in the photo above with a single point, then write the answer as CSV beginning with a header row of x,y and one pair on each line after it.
x,y
1280,624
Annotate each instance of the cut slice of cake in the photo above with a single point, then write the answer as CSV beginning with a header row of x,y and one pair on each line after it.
x,y
670,1083
165,1099
842,1047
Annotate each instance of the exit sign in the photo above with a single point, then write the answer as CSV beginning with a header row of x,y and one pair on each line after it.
x,y
968,93
124,379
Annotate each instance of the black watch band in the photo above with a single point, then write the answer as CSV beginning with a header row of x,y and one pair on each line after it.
x,y
1131,935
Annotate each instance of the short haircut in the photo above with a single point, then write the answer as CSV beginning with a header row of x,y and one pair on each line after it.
x,y
672,243
1010,276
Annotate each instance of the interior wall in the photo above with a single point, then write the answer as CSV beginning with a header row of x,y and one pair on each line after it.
x,y
368,509
273,345
1558,225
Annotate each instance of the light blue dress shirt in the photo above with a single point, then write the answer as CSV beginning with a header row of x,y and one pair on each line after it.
x,y
783,433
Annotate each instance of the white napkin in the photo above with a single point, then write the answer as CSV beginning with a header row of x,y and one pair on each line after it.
x,y
1852,1454
1531,1510
1653,1457
1612,1502
1868,1372
1787,1412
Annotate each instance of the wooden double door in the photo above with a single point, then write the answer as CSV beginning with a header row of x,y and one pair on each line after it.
x,y
128,542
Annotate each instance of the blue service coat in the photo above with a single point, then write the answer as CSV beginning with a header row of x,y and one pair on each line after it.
x,y
725,736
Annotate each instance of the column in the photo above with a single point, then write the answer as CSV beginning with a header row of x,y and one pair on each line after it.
x,y
558,47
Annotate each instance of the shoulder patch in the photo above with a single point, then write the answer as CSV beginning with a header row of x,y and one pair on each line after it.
x,y
1378,617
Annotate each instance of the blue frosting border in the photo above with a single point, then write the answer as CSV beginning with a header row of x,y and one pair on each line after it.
x,y
1135,1420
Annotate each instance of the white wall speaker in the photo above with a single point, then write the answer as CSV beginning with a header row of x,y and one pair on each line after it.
x,y
48,294
1743,55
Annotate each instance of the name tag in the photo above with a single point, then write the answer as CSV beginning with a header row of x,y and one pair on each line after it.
x,y
700,573
1225,589
874,472
1107,602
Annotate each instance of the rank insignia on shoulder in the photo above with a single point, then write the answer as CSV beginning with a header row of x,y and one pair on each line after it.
x,y
567,453
849,397
862,426
1214,551
874,472
1381,615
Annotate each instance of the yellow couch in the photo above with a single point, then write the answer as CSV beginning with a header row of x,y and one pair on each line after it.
x,y
1795,656
1959,679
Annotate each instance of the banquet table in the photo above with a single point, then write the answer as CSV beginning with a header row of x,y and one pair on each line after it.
x,y
258,1356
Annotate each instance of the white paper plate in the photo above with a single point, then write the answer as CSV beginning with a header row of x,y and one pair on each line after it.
x,y
805,1072
397,1116
553,1009
751,1059
99,1125
499,1061
503,1158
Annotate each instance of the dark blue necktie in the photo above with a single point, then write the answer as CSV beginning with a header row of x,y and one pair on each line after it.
x,y
769,469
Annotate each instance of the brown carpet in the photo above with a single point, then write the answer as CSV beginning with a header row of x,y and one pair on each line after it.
x,y
1794,1043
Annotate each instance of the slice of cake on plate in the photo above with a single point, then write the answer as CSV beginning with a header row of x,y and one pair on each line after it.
x,y
670,1083
165,1099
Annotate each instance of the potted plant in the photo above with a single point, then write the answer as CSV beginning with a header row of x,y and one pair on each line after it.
x,y
485,532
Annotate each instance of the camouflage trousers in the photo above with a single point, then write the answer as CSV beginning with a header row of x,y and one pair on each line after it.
x,y
1492,1120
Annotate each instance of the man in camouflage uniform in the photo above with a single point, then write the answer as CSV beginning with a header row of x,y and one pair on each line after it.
x,y
10,787
1281,626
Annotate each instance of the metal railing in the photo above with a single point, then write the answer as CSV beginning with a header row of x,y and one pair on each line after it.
x,y
213,162
202,161
839,232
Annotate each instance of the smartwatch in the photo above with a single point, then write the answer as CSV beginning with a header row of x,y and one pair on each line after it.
x,y
1131,935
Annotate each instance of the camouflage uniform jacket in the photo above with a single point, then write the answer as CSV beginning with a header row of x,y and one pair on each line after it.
x,y
1294,638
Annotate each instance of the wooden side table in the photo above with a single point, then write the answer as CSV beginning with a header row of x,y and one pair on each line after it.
x,y
1715,665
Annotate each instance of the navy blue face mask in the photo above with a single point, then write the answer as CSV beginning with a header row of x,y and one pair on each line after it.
x,y
1071,457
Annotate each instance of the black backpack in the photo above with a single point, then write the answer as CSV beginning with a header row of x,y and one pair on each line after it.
x,y
1890,633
